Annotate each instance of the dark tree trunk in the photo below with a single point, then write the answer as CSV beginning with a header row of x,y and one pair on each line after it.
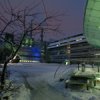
x,y
4,74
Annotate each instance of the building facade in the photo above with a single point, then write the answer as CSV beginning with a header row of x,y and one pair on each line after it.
x,y
32,51
75,49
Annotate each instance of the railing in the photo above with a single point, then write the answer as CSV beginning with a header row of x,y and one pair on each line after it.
x,y
86,60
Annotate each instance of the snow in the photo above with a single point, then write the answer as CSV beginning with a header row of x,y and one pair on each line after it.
x,y
37,82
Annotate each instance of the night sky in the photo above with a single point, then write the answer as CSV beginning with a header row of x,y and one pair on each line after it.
x,y
72,11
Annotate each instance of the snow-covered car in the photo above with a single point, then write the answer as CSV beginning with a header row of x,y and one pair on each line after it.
x,y
16,59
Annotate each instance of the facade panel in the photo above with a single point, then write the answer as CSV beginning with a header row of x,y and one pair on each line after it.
x,y
76,52
92,22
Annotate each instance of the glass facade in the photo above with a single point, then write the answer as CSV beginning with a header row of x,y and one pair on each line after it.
x,y
30,53
92,22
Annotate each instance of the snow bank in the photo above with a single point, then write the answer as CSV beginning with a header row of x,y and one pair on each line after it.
x,y
39,83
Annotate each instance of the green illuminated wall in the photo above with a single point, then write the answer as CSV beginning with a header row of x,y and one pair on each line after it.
x,y
28,41
92,22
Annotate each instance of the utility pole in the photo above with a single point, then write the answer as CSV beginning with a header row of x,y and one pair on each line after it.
x,y
42,36
42,44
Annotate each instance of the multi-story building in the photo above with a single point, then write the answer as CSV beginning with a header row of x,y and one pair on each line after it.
x,y
74,48
30,50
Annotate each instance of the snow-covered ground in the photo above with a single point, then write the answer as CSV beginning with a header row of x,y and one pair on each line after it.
x,y
38,81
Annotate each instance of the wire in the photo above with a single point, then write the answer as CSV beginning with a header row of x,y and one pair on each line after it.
x,y
44,10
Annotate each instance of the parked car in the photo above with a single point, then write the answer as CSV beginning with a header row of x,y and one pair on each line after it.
x,y
16,59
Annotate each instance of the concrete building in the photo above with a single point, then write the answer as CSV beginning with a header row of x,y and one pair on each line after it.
x,y
75,49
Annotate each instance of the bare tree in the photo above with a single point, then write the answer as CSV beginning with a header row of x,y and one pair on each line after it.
x,y
22,21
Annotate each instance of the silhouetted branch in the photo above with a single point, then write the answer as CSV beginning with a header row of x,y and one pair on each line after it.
x,y
25,22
